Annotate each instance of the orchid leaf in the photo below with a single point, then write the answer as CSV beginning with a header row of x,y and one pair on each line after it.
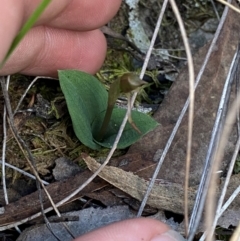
x,y
87,100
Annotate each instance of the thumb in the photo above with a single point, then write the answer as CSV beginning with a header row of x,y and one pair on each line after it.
x,y
137,229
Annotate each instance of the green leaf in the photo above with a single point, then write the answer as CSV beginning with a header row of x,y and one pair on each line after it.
x,y
144,123
86,99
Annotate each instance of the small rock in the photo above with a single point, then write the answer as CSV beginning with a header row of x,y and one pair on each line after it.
x,y
65,168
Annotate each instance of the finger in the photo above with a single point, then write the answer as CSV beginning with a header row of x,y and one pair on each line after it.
x,y
129,230
15,13
11,20
76,14
86,15
46,50
72,15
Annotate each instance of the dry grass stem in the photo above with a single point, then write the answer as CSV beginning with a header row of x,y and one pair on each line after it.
x,y
157,27
191,107
215,10
210,208
220,208
27,174
228,4
22,145
236,234
4,145
200,198
26,91
234,73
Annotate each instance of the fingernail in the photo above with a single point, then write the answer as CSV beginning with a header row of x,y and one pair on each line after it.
x,y
170,235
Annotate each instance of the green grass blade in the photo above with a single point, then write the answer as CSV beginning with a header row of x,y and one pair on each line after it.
x,y
26,27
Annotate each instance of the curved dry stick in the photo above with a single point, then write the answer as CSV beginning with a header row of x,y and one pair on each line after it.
x,y
191,108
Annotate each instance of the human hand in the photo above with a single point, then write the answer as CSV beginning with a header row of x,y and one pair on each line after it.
x,y
65,37
138,229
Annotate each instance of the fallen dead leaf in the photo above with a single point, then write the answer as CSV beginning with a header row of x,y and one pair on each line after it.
x,y
164,195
